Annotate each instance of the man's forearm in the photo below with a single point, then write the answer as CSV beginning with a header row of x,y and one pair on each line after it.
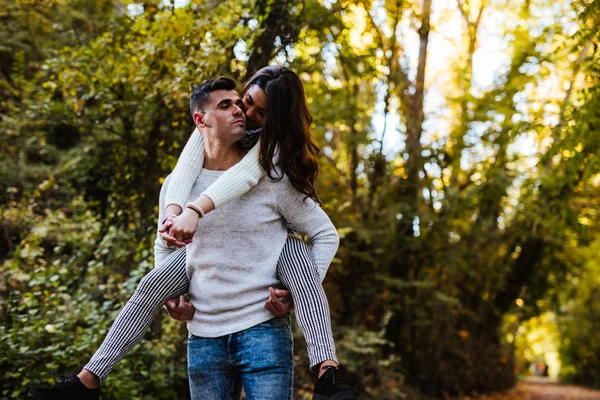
x,y
324,250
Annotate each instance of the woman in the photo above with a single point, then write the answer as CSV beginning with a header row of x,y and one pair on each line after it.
x,y
273,97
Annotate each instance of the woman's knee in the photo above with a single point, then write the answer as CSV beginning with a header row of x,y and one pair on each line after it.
x,y
148,288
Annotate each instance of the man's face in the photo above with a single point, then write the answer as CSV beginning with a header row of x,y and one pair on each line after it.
x,y
223,116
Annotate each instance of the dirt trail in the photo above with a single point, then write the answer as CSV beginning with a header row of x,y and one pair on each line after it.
x,y
543,389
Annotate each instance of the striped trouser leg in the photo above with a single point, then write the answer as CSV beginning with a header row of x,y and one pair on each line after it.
x,y
165,282
297,270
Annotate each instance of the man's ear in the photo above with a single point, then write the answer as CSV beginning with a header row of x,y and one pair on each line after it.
x,y
199,119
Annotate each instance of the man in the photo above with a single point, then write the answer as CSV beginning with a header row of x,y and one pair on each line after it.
x,y
231,264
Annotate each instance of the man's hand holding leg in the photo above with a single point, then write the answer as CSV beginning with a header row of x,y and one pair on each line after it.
x,y
277,306
180,310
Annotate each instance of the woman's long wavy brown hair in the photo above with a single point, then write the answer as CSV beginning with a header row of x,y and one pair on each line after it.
x,y
287,127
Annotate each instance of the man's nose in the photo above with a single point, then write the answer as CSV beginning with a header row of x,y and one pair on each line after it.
x,y
238,110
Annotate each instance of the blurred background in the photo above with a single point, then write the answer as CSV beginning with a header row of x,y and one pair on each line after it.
x,y
460,143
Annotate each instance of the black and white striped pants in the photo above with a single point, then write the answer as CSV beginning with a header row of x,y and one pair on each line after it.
x,y
296,269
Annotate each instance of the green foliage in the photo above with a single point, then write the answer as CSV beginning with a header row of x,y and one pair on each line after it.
x,y
579,323
94,113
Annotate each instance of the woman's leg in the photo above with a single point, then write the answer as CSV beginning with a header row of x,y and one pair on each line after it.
x,y
165,282
297,270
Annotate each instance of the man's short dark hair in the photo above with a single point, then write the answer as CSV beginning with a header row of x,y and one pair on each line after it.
x,y
201,94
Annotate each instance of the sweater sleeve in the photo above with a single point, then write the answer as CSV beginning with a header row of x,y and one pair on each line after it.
x,y
238,179
186,171
305,215
161,250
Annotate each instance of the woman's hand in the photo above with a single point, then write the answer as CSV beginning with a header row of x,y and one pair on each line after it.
x,y
180,309
279,307
183,228
167,223
171,211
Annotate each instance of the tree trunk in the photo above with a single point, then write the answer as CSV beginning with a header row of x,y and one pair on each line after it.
x,y
279,22
404,267
416,116
457,137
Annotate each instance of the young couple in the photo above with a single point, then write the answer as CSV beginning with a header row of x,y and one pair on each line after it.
x,y
232,205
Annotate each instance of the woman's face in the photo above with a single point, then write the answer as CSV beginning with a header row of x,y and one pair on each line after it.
x,y
255,104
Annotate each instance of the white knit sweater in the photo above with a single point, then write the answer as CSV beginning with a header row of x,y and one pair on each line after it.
x,y
237,181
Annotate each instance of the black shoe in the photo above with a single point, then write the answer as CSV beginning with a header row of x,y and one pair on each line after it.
x,y
69,388
330,386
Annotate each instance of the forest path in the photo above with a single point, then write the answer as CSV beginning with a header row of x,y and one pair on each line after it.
x,y
537,388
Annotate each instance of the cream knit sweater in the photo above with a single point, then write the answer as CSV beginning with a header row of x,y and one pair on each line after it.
x,y
233,258
235,182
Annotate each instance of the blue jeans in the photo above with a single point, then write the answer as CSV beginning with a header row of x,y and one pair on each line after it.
x,y
261,359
